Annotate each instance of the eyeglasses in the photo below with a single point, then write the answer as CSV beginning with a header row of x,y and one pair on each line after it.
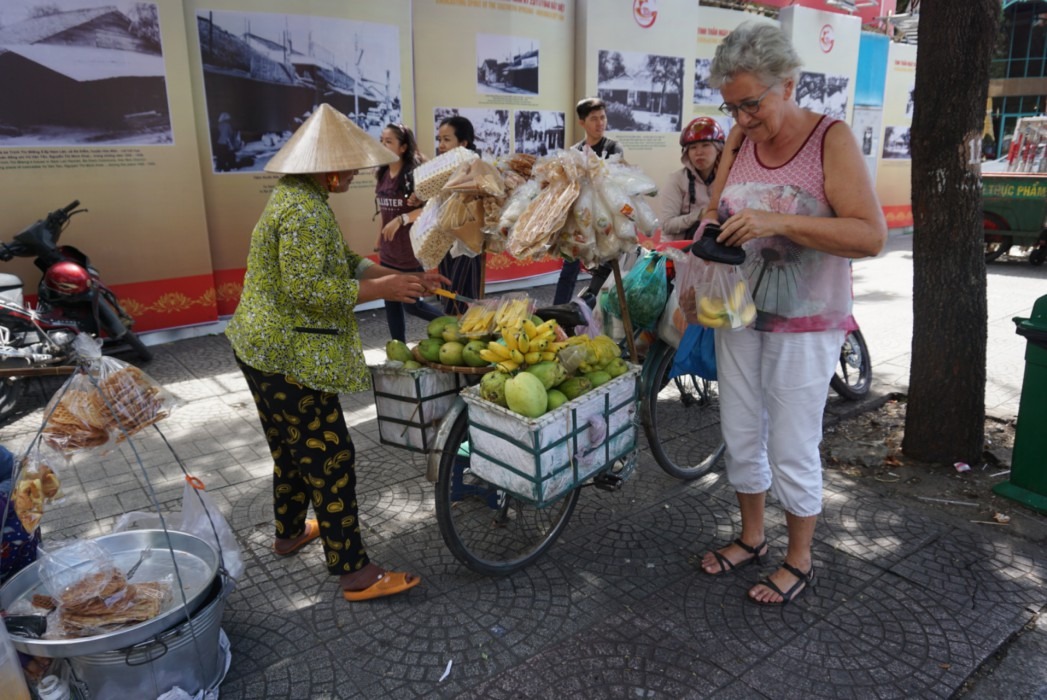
x,y
747,106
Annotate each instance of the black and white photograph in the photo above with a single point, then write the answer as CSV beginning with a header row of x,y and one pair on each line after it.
x,y
506,65
264,74
80,73
910,103
896,143
491,127
643,92
704,94
538,132
824,94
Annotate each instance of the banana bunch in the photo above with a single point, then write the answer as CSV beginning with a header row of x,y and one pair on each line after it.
x,y
477,320
510,313
735,312
523,344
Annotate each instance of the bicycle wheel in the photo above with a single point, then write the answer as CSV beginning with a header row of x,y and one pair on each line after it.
x,y
681,417
854,374
487,529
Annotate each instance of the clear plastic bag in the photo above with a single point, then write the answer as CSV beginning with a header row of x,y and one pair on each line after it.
x,y
478,319
38,484
715,295
199,516
91,595
512,310
105,400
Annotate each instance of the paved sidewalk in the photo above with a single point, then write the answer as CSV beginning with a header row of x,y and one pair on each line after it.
x,y
905,605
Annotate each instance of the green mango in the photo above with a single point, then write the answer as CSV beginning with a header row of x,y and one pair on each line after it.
x,y
429,349
435,329
556,399
575,387
398,351
598,378
525,395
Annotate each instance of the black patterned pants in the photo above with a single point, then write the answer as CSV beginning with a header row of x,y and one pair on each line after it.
x,y
313,462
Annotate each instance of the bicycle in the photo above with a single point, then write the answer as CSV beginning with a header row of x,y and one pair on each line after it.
x,y
494,532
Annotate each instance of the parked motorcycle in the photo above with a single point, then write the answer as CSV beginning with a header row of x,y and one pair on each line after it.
x,y
71,299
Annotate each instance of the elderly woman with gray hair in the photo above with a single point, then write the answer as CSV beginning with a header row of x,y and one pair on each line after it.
x,y
793,191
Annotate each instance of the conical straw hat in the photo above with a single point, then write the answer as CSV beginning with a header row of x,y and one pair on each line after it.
x,y
328,142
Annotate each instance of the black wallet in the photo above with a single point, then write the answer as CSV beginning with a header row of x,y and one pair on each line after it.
x,y
707,248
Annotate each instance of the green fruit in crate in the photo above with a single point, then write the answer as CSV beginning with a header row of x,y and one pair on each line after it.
x,y
598,378
436,326
492,387
411,364
429,349
450,333
451,353
575,387
525,395
550,373
397,351
556,399
617,367
471,353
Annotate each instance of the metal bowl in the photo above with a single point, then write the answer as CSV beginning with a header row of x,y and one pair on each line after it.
x,y
182,556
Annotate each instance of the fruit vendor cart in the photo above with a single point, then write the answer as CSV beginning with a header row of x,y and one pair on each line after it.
x,y
1014,213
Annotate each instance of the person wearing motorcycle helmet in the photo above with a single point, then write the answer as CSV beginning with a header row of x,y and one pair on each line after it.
x,y
296,341
687,194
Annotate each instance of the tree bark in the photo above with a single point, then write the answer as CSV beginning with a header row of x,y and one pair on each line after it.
x,y
945,417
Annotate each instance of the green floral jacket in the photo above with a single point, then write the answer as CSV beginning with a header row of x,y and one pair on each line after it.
x,y
296,312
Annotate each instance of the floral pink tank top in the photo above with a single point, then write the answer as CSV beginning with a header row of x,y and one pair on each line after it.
x,y
796,289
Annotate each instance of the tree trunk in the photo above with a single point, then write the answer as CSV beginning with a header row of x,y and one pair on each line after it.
x,y
945,417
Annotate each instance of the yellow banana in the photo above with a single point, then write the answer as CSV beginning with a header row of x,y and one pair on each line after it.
x,y
499,350
712,321
518,357
533,358
547,356
710,307
748,314
490,356
546,326
510,339
529,328
540,345
523,343
556,345
547,336
508,366
738,296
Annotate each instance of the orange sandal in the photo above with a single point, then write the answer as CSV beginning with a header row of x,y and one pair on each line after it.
x,y
389,583
310,533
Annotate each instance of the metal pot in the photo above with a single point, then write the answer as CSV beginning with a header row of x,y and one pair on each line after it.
x,y
186,656
194,561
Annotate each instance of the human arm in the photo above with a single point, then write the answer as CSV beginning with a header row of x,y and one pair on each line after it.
x,y
378,282
727,156
858,228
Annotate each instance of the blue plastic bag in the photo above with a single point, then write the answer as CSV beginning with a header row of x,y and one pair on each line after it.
x,y
696,354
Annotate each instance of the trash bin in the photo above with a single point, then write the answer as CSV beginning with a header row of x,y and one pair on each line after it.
x,y
1028,478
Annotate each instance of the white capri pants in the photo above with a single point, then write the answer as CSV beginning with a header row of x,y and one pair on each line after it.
x,y
773,388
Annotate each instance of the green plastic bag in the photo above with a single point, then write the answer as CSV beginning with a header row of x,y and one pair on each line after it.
x,y
646,291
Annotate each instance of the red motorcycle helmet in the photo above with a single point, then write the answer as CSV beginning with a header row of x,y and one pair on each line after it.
x,y
67,278
701,129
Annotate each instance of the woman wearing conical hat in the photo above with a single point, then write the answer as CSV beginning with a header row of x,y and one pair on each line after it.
x,y
297,343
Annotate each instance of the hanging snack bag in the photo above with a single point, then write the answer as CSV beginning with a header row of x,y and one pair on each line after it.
x,y
37,485
432,175
430,243
106,399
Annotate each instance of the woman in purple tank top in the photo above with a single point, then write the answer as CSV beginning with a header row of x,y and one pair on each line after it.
x,y
793,191
393,200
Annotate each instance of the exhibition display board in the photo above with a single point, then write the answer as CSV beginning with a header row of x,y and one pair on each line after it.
x,y
505,66
160,116
259,67
98,107
894,171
